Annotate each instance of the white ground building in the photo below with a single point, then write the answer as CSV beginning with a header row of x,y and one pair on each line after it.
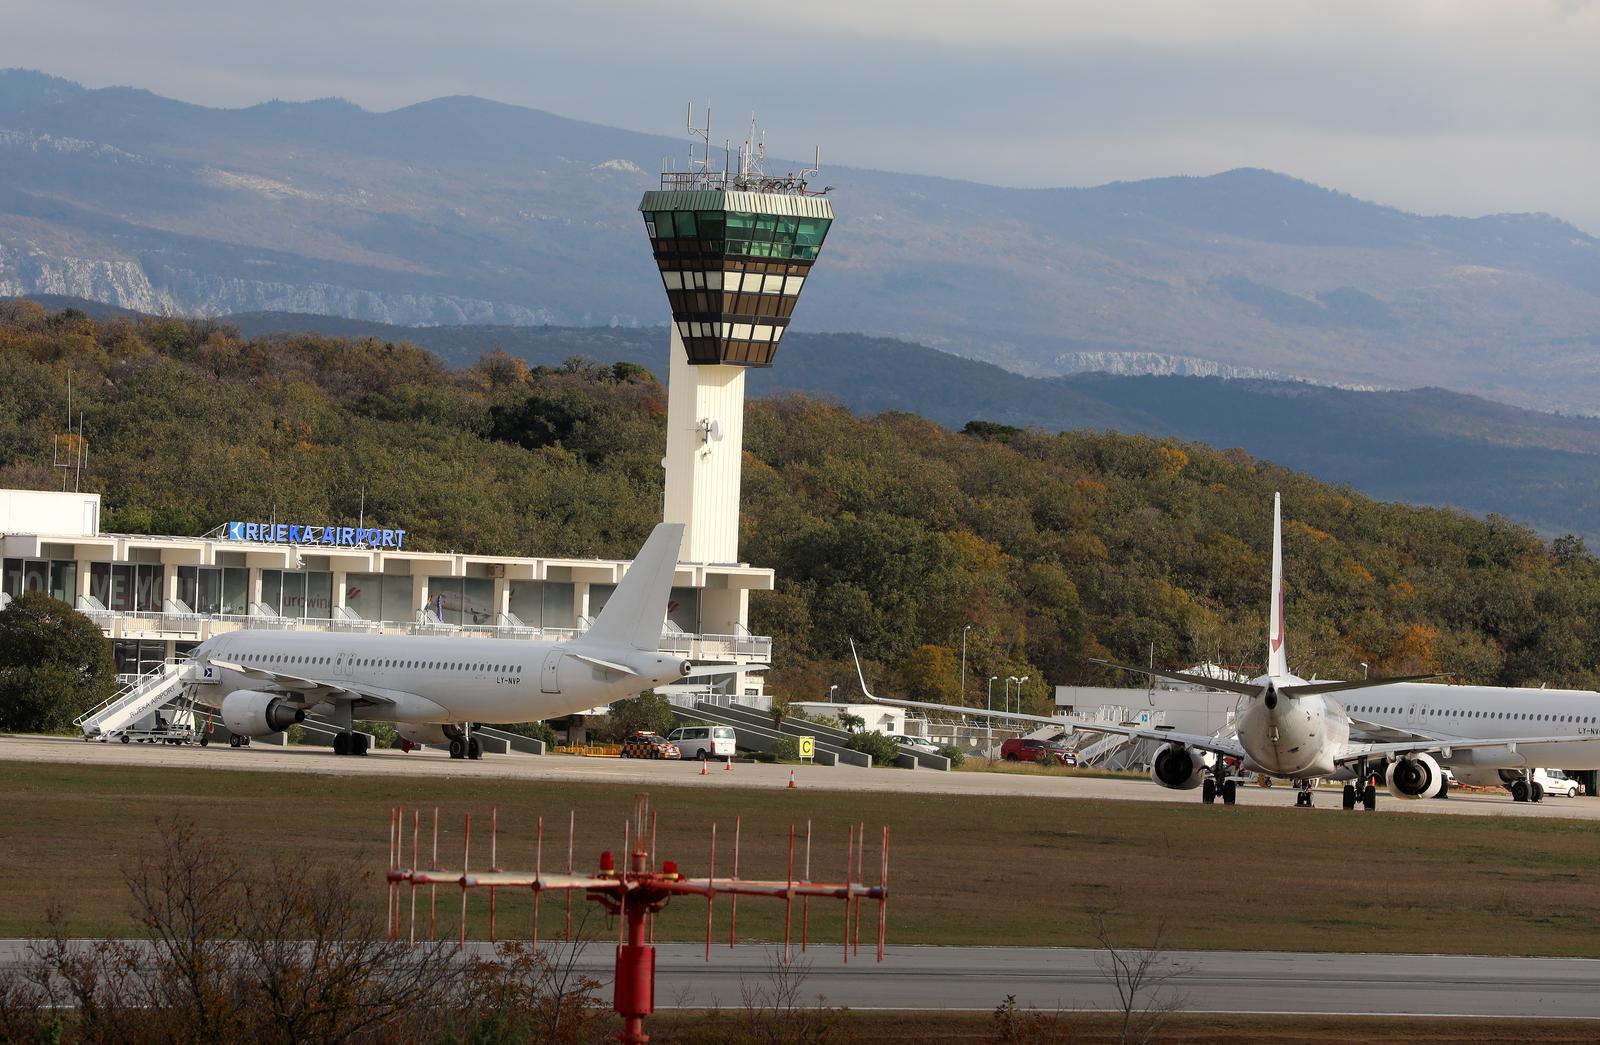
x,y
156,597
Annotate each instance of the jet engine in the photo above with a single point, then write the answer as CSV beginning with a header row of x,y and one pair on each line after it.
x,y
423,733
1180,767
252,713
1416,776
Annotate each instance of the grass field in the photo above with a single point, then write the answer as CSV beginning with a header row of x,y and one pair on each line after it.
x,y
965,870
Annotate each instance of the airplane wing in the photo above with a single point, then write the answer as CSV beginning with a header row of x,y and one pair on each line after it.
x,y
1204,743
1367,731
1444,747
308,690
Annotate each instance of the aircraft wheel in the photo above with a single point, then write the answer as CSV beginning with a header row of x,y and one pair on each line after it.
x,y
1349,796
1230,792
458,748
474,749
1369,798
341,743
1519,791
233,741
358,743
1536,793
1208,791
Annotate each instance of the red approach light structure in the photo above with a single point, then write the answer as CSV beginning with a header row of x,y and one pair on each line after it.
x,y
636,893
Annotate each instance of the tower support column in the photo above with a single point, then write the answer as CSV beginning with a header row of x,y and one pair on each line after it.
x,y
705,440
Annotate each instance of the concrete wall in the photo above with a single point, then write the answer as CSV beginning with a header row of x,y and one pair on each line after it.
x,y
50,513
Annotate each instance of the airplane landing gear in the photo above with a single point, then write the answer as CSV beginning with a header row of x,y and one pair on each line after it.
x,y
350,743
1525,790
1303,795
1362,792
1218,785
465,745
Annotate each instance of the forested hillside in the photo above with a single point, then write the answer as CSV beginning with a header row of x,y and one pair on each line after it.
x,y
892,530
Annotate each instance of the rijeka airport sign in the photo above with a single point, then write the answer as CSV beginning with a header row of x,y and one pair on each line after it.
x,y
326,536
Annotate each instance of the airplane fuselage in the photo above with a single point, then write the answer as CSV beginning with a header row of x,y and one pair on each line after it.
x,y
428,679
1490,712
1292,736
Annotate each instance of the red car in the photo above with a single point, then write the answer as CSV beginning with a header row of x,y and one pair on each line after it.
x,y
1045,752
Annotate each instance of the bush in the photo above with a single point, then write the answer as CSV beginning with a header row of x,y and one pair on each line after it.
x,y
649,712
536,730
882,750
954,754
54,664
784,749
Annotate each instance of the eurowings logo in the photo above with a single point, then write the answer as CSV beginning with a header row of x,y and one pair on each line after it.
x,y
1277,625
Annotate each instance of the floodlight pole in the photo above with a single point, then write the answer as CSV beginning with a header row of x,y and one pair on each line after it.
x,y
988,751
964,629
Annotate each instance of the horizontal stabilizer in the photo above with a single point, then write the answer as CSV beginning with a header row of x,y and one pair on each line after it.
x,y
705,670
1247,689
1311,688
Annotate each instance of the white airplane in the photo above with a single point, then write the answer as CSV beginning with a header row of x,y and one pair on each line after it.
x,y
434,688
1292,729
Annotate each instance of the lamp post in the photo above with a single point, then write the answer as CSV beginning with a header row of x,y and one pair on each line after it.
x,y
1006,690
1019,693
988,751
964,629
830,692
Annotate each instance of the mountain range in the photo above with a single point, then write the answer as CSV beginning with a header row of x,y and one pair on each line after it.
x,y
1424,446
466,211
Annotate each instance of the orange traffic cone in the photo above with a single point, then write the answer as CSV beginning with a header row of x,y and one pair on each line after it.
x,y
728,765
702,767
791,778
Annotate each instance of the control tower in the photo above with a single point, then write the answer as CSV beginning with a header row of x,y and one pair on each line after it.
x,y
734,247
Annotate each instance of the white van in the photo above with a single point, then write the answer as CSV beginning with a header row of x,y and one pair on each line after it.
x,y
1556,783
704,741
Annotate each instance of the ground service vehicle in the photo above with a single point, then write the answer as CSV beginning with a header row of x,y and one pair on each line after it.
x,y
704,741
649,745
915,743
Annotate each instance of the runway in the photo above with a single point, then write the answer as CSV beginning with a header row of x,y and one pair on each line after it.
x,y
425,764
1050,979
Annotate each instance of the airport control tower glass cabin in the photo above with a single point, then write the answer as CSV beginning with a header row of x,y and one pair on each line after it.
x,y
734,248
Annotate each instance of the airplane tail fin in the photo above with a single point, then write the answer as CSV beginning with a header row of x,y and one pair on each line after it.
x,y
1277,657
636,611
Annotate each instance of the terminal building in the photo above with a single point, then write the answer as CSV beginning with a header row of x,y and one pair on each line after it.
x,y
157,597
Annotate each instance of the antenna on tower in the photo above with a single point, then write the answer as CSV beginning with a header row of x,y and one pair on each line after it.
x,y
71,449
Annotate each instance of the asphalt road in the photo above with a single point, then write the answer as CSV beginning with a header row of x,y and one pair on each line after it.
x,y
425,764
1050,979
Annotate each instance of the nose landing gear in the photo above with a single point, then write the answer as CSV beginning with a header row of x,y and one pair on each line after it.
x,y
1303,793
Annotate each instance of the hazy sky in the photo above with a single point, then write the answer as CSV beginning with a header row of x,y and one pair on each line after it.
x,y
1459,106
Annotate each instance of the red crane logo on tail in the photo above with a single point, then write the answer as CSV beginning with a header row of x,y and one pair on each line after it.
x,y
1277,624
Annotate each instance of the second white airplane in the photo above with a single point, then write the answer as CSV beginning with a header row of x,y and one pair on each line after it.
x,y
1289,728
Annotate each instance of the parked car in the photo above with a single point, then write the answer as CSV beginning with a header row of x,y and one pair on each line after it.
x,y
1556,784
915,743
705,741
649,745
1046,752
